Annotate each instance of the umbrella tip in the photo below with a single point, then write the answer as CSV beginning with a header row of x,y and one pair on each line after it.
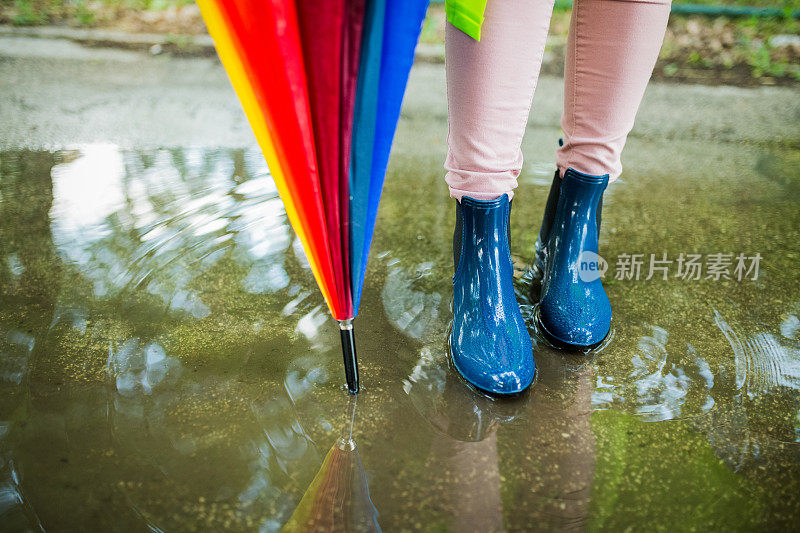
x,y
349,353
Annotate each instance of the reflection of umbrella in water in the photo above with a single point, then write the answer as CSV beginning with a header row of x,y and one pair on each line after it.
x,y
322,83
338,498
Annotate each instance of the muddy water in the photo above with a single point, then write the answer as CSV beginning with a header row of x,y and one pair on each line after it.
x,y
167,364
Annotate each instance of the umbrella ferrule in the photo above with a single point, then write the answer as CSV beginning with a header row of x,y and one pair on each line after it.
x,y
349,353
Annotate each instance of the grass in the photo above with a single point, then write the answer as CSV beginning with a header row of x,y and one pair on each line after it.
x,y
74,12
37,12
723,44
713,44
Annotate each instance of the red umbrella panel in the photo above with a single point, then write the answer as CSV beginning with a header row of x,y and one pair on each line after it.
x,y
324,31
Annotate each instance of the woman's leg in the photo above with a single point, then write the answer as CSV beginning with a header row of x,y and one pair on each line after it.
x,y
490,86
613,46
611,52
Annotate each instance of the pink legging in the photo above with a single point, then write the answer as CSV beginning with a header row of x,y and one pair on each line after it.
x,y
612,49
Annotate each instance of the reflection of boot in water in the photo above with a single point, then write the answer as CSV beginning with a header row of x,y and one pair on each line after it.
x,y
553,452
466,481
338,498
463,467
438,394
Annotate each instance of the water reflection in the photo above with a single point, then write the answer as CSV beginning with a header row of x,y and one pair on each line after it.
x,y
664,383
463,453
161,219
135,367
409,309
28,285
338,497
166,361
763,361
758,425
258,451
453,408
542,439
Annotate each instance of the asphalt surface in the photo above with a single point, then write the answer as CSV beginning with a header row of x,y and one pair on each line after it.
x,y
56,93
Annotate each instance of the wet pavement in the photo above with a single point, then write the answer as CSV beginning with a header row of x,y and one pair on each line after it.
x,y
167,364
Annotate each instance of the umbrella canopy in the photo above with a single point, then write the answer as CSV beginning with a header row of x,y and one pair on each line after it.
x,y
322,82
381,99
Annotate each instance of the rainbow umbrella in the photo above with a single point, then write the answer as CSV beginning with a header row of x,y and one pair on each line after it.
x,y
321,83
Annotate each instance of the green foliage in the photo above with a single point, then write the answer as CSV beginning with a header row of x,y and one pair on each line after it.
x,y
83,14
670,69
761,62
28,14
154,5
759,53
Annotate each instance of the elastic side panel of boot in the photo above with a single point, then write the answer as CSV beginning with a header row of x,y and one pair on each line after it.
x,y
508,225
457,236
550,208
599,215
459,229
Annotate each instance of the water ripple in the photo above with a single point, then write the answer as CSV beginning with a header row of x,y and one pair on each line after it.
x,y
666,382
763,363
129,219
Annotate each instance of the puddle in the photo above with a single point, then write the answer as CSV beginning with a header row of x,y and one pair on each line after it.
x,y
167,362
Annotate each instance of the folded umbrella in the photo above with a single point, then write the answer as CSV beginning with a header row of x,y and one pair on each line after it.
x,y
322,82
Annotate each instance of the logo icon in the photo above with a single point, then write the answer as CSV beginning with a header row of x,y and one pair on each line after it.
x,y
591,266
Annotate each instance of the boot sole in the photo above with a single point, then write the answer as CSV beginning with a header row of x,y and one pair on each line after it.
x,y
492,393
565,345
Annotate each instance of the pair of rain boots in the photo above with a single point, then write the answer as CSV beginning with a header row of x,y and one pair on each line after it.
x,y
490,344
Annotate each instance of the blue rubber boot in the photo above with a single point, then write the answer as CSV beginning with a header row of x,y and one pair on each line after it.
x,y
490,343
574,311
